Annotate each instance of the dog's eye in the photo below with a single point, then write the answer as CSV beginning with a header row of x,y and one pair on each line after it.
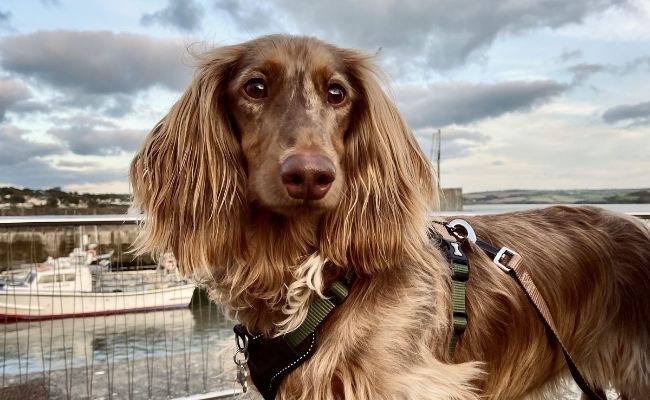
x,y
255,88
335,94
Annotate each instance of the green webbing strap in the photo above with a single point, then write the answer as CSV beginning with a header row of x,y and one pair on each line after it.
x,y
459,278
318,311
459,265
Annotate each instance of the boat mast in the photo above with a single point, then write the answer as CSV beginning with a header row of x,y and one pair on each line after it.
x,y
438,156
435,147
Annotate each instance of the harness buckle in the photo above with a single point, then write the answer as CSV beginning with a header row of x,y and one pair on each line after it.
x,y
241,356
504,252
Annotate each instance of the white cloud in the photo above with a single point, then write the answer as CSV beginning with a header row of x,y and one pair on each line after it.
x,y
534,151
96,62
16,147
441,104
628,23
635,114
184,15
12,92
115,186
440,34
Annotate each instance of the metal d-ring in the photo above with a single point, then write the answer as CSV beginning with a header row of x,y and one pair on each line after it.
x,y
462,230
244,357
242,348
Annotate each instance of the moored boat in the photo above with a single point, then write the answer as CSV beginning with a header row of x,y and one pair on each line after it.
x,y
63,287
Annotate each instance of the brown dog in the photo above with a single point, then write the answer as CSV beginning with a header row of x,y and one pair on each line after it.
x,y
284,166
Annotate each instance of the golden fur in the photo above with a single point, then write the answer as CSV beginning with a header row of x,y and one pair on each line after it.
x,y
208,181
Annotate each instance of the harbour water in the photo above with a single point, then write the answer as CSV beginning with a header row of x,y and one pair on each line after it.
x,y
159,354
503,208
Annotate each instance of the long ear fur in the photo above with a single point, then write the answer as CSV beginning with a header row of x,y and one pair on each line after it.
x,y
188,178
390,185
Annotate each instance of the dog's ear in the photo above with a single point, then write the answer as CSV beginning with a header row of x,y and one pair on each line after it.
x,y
390,185
188,177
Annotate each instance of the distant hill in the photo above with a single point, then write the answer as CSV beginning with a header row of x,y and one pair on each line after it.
x,y
54,201
604,196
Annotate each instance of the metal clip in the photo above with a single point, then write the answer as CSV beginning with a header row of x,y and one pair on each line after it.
x,y
240,361
465,232
242,375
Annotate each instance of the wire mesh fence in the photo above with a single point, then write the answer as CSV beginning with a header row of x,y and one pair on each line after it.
x,y
82,318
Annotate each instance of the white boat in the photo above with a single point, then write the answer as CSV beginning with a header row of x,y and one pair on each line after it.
x,y
65,287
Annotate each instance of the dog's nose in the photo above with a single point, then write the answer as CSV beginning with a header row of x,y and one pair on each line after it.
x,y
307,177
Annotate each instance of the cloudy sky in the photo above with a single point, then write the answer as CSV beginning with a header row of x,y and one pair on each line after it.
x,y
531,94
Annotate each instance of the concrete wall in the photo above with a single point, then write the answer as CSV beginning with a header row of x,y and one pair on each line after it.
x,y
31,245
451,199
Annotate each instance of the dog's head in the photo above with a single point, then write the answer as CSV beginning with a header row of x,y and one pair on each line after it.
x,y
290,126
290,103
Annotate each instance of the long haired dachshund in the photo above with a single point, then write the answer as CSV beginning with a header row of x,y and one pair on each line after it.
x,y
285,166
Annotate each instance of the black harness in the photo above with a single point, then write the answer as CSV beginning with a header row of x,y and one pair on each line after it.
x,y
271,359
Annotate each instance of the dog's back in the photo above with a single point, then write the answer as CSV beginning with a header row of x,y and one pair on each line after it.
x,y
593,268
